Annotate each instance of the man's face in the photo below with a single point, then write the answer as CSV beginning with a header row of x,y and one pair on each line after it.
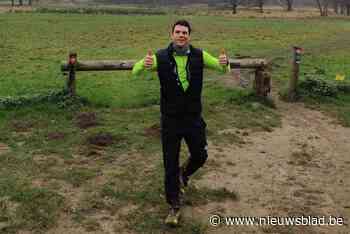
x,y
180,35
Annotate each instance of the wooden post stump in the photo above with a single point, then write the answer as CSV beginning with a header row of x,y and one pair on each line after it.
x,y
293,82
72,62
262,83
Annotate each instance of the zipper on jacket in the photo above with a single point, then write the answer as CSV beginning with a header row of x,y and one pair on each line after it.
x,y
188,74
177,77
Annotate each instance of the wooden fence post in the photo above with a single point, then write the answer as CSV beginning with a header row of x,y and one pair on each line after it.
x,y
262,83
72,62
293,82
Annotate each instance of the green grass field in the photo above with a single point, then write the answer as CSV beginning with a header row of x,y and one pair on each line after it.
x,y
101,148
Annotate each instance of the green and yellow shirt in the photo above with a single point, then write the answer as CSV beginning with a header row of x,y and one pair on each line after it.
x,y
209,61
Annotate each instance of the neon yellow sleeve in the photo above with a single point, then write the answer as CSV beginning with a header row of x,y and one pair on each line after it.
x,y
139,68
213,63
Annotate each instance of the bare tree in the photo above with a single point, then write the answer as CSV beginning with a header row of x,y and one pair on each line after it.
x,y
261,6
289,5
248,4
345,6
234,4
336,4
323,6
286,3
340,6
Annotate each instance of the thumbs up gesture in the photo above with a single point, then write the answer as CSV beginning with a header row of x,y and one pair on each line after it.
x,y
223,59
148,62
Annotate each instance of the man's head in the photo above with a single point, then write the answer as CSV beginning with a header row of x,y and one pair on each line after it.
x,y
180,33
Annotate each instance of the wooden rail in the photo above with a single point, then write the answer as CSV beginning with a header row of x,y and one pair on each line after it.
x,y
261,83
112,65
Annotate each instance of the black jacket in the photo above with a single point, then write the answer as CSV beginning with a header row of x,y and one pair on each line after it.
x,y
175,102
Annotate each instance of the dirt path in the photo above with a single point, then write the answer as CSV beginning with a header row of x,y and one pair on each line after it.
x,y
302,168
4,9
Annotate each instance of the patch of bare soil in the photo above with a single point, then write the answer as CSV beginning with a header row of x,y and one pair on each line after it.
x,y
101,139
96,143
4,9
302,168
4,148
22,126
55,136
106,217
153,131
86,120
101,222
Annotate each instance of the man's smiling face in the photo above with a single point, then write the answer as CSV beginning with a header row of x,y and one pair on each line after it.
x,y
180,35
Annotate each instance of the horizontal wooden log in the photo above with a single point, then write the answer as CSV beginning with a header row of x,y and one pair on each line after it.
x,y
101,65
112,65
248,63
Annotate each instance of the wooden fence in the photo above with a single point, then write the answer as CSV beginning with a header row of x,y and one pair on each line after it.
x,y
262,82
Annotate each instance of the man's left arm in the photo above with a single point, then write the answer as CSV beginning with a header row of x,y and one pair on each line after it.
x,y
214,64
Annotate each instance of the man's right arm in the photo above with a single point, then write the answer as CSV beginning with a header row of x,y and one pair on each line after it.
x,y
139,67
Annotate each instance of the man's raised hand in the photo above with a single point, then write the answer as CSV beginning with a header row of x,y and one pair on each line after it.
x,y
223,59
148,62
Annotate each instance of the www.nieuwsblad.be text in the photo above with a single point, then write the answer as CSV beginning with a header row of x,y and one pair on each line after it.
x,y
217,220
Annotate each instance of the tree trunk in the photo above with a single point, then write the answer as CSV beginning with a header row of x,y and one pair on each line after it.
x,y
234,6
342,8
335,6
234,9
12,3
289,5
325,10
323,7
21,2
319,7
261,6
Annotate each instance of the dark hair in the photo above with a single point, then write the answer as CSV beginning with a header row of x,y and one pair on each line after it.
x,y
182,23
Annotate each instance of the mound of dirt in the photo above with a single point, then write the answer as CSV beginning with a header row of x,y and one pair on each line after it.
x,y
22,125
153,131
4,149
86,120
101,139
55,136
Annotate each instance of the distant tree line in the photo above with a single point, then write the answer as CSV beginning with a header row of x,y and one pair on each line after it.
x,y
341,7
21,2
